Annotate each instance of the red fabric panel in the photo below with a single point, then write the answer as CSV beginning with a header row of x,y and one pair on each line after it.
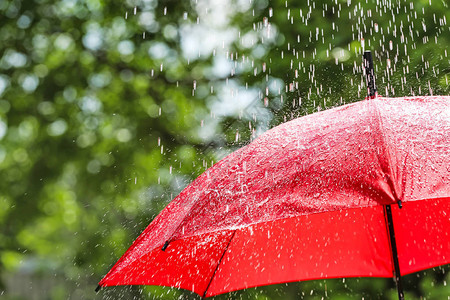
x,y
422,233
416,136
326,245
187,264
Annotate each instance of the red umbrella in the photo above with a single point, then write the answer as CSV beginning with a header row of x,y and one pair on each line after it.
x,y
358,190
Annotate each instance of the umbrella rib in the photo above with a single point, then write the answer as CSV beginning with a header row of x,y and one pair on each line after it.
x,y
394,253
218,264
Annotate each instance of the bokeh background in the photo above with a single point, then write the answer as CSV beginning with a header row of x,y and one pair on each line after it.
x,y
108,109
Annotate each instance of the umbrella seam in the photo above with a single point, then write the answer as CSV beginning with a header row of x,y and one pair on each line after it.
x,y
384,149
218,264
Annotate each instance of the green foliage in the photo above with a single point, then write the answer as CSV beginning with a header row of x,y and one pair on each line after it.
x,y
103,118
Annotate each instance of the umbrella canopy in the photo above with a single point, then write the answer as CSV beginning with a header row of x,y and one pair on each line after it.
x,y
309,199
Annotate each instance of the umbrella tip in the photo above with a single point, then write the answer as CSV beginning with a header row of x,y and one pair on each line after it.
x,y
97,289
165,246
370,75
399,202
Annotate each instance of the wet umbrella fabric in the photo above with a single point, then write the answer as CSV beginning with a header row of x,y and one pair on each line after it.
x,y
307,200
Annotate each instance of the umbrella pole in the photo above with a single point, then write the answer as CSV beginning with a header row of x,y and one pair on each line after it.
x,y
397,277
370,75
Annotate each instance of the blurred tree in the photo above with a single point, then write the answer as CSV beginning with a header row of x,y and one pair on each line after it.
x,y
108,110
98,130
